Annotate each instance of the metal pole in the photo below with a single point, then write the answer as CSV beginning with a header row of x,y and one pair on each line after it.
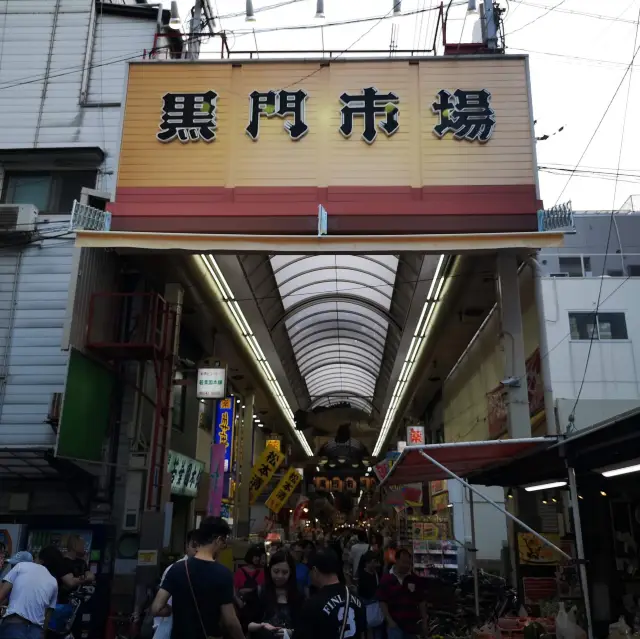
x,y
474,556
451,474
575,507
490,21
194,44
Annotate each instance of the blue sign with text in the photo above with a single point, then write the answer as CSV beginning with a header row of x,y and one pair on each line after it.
x,y
223,429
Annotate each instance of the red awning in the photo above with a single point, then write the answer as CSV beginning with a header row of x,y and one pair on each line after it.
x,y
462,459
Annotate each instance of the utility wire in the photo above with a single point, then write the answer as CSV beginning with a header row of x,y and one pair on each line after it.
x,y
524,26
595,326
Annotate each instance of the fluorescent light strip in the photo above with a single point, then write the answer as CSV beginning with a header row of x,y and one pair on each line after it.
x,y
625,470
417,343
553,484
236,312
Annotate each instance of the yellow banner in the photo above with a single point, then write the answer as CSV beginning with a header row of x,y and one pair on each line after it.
x,y
283,490
263,471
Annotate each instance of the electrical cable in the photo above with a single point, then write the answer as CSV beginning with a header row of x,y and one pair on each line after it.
x,y
578,13
595,327
528,24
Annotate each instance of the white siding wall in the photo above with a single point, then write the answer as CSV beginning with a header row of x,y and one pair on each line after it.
x,y
47,39
36,366
611,384
42,53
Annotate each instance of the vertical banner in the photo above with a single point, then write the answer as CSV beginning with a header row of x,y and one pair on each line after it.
x,y
223,429
283,490
216,480
262,472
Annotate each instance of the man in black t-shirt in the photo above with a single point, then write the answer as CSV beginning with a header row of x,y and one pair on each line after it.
x,y
323,615
201,590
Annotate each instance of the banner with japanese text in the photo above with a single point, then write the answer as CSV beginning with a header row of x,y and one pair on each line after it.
x,y
223,429
216,480
262,472
283,490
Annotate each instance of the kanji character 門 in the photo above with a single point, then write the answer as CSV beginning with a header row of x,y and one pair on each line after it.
x,y
188,117
466,114
369,104
278,103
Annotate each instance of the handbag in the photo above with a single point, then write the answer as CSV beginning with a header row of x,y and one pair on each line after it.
x,y
345,616
195,602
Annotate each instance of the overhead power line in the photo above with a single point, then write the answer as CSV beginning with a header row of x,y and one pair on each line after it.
x,y
528,24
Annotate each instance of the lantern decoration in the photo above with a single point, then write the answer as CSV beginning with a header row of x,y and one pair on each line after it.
x,y
336,484
350,485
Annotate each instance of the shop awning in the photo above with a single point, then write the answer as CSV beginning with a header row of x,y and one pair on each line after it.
x,y
464,459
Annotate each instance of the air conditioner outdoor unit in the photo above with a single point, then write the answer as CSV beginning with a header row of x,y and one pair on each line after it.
x,y
18,218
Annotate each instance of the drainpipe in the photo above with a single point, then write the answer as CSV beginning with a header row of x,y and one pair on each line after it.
x,y
545,369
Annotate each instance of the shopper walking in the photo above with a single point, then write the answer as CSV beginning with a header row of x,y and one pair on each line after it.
x,y
276,604
402,598
162,625
368,581
334,612
201,590
32,591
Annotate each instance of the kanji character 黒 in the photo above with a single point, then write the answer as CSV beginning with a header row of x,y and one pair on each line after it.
x,y
278,103
369,104
188,117
466,114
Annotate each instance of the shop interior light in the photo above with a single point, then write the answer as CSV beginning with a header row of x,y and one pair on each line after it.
x,y
510,493
547,486
243,326
544,498
318,469
580,497
603,493
554,499
417,343
620,469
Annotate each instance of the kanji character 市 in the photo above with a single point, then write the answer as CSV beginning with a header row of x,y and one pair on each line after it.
x,y
368,105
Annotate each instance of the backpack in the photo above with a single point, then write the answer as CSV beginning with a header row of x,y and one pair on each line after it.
x,y
250,581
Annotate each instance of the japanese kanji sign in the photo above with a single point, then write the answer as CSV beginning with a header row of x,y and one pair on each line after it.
x,y
466,114
191,117
185,474
188,116
415,436
211,383
283,490
263,471
280,103
216,480
223,429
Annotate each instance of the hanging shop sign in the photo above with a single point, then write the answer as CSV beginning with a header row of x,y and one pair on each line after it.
x,y
533,551
211,383
223,429
336,484
274,443
262,472
454,139
283,490
321,483
415,436
350,485
185,474
382,469
438,486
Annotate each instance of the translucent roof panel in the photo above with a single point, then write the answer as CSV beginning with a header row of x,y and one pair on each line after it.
x,y
337,319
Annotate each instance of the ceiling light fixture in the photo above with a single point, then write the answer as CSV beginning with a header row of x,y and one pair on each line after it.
x,y
320,9
228,298
544,498
174,17
249,12
547,486
510,493
620,469
603,493
418,341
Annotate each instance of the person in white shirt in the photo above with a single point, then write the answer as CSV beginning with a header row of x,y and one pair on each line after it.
x,y
32,591
357,550
162,625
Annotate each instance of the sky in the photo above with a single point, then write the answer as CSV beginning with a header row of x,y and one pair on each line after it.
x,y
579,52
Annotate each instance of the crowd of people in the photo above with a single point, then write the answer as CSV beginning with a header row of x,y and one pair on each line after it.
x,y
41,593
341,588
